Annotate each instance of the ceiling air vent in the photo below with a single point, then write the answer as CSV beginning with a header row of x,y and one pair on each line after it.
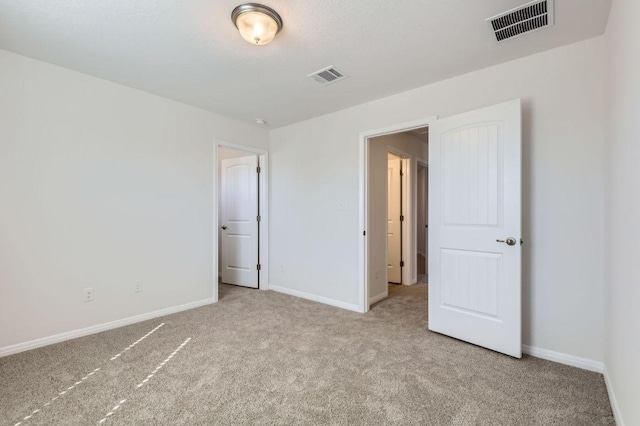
x,y
524,19
327,75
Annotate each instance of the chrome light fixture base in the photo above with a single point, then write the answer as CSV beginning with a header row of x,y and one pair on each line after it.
x,y
256,7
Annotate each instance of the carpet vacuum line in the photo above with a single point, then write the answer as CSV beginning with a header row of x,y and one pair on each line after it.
x,y
70,388
143,382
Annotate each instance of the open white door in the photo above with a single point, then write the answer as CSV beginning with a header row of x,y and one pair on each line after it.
x,y
394,225
475,227
239,221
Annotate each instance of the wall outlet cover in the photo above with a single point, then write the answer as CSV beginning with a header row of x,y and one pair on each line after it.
x,y
88,294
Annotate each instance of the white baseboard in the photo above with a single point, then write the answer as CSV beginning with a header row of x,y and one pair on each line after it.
x,y
585,364
379,297
57,338
321,299
562,358
612,398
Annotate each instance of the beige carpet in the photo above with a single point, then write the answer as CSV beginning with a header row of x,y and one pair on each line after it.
x,y
266,358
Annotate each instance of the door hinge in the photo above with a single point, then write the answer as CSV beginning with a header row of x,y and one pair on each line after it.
x,y
258,169
258,266
401,172
401,218
258,218
401,263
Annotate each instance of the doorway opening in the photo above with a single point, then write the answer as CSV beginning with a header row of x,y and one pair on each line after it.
x,y
240,216
392,211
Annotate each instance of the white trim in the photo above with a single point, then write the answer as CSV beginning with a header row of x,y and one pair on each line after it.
x,y
585,364
321,299
617,414
562,358
379,297
363,165
57,338
264,210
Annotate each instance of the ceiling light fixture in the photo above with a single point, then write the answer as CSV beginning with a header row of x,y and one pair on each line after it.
x,y
258,24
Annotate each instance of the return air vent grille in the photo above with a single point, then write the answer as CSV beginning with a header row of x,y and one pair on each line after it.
x,y
526,18
327,75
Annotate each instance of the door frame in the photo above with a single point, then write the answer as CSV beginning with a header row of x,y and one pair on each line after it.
x,y
363,287
263,184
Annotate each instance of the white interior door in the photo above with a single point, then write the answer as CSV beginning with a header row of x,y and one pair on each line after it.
x,y
239,221
394,226
475,227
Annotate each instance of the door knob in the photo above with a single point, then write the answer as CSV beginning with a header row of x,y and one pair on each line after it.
x,y
224,227
509,241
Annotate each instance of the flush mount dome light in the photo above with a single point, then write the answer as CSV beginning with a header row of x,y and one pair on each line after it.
x,y
258,24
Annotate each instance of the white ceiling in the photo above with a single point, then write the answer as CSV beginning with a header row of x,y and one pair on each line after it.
x,y
189,50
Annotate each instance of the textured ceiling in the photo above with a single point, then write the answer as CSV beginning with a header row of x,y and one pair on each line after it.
x,y
189,50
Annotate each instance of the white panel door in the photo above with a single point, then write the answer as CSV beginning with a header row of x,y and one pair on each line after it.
x,y
239,221
394,226
475,227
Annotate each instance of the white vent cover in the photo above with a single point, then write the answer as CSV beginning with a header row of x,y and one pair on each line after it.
x,y
524,19
327,75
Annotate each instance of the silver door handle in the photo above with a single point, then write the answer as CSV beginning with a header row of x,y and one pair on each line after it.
x,y
509,241
223,227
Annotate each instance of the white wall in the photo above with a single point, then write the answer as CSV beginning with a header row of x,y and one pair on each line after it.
x,y
623,212
315,168
101,185
377,200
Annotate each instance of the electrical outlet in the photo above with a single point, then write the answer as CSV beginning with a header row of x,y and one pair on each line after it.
x,y
88,294
281,267
137,286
